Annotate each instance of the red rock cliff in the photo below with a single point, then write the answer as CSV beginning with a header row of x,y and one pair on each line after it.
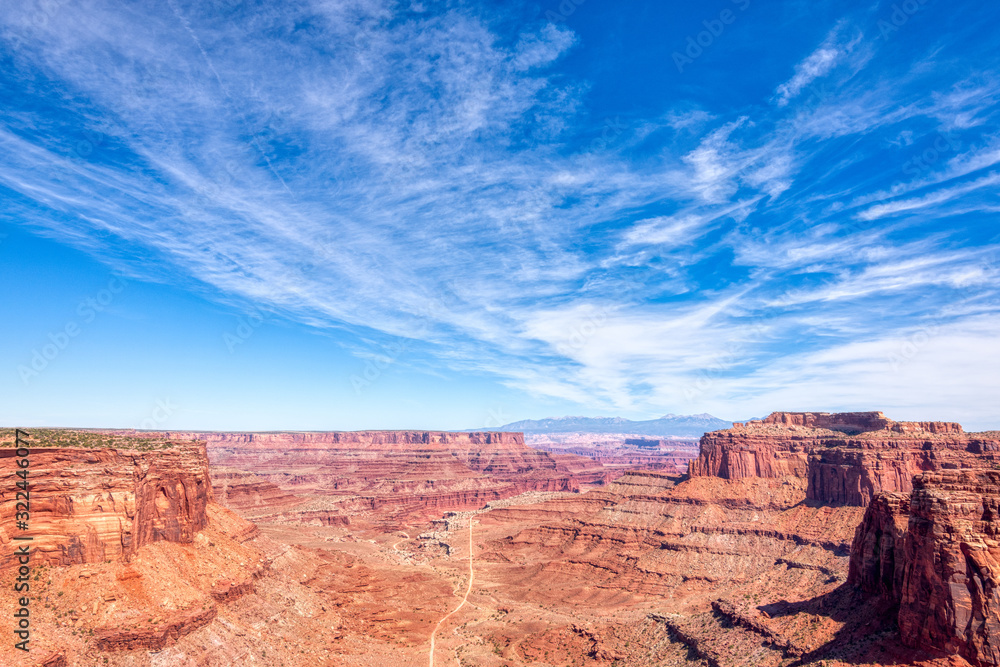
x,y
91,505
375,440
847,458
951,575
382,476
936,556
876,565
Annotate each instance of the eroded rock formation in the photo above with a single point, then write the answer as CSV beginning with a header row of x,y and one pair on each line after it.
x,y
91,505
877,551
847,458
935,556
389,477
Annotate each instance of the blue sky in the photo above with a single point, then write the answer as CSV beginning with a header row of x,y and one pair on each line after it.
x,y
342,215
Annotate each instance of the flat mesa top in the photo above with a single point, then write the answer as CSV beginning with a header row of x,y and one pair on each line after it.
x,y
855,424
87,439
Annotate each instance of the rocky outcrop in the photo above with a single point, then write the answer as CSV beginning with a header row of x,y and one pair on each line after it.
x,y
152,635
854,422
876,565
935,556
91,505
847,458
242,491
951,575
756,624
229,591
736,454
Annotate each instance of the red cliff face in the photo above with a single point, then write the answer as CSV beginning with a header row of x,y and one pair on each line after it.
x,y
951,589
876,565
372,440
935,555
91,505
847,458
383,476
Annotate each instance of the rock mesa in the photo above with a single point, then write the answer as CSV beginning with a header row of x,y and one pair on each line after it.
x,y
846,458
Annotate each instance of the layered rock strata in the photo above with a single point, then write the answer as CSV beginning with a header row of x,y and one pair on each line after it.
x,y
386,477
92,505
876,564
627,453
847,458
935,556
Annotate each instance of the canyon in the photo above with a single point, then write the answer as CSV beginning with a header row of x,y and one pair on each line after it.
x,y
797,539
392,479
621,451
934,556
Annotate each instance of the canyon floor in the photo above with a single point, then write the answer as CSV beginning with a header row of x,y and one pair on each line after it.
x,y
342,554
595,595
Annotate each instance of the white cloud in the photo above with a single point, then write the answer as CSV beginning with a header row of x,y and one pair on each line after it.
x,y
832,52
375,173
929,200
542,49
819,63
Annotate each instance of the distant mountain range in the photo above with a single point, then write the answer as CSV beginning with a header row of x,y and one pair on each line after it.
x,y
682,426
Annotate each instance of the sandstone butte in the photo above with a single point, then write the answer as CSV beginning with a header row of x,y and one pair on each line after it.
x,y
801,539
846,458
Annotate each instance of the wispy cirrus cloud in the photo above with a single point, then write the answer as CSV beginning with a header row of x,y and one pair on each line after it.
x,y
430,173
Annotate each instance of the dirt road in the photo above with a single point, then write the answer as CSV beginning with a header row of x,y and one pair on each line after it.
x,y
465,598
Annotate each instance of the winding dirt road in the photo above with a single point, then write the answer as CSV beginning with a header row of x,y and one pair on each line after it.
x,y
465,599
395,547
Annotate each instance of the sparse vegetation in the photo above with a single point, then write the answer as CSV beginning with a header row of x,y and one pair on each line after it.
x,y
59,437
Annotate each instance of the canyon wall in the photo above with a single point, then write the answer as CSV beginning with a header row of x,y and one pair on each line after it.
x,y
622,453
876,565
385,477
935,556
846,458
92,505
372,440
